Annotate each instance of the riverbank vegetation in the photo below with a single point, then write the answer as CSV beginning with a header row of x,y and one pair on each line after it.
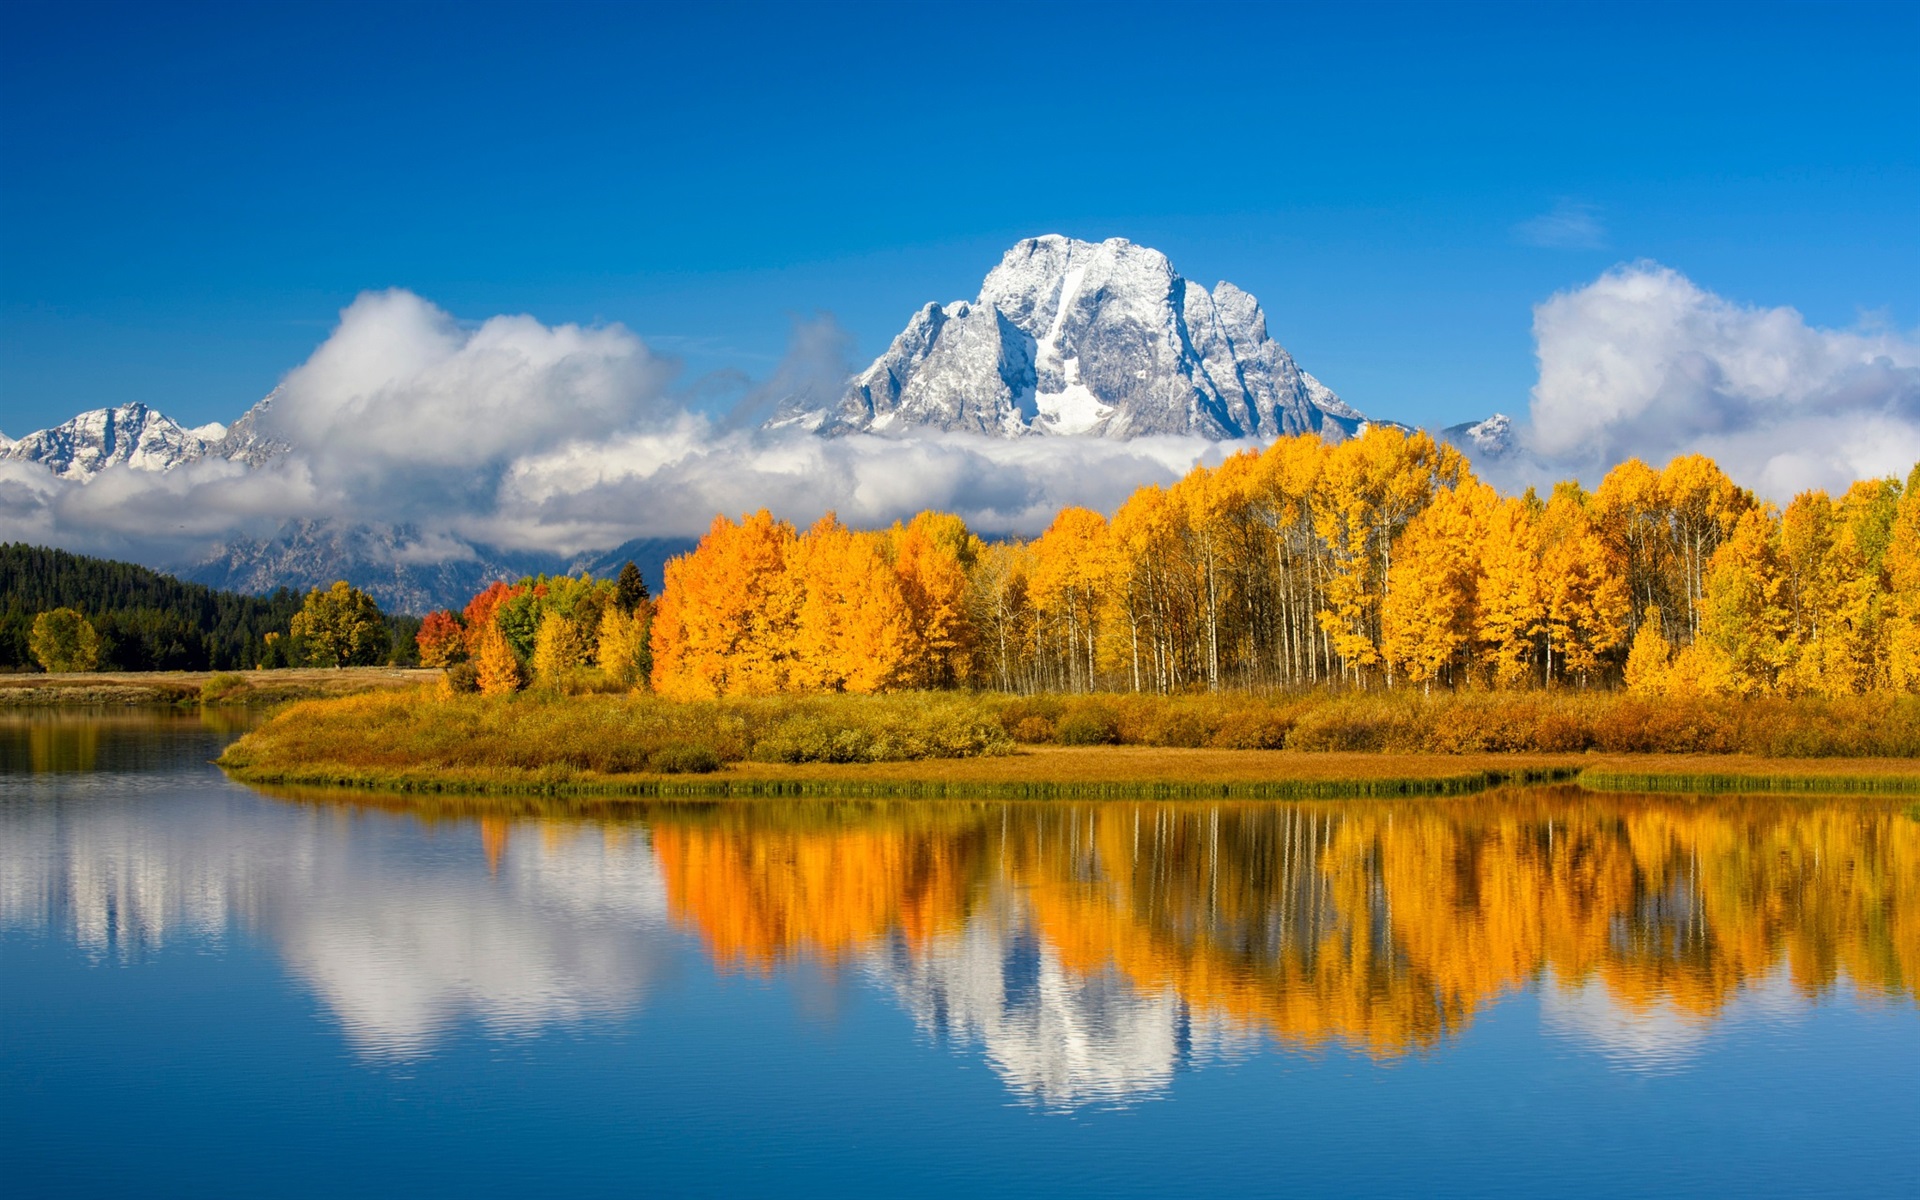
x,y
1376,565
1305,743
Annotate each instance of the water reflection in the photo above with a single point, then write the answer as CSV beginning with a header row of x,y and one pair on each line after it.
x,y
1088,952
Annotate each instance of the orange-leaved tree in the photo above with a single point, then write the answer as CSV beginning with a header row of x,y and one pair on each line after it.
x,y
442,640
727,612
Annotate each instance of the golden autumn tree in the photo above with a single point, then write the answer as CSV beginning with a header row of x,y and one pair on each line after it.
x,y
560,649
1001,613
853,630
1432,602
1072,561
1286,491
1512,611
1649,659
1139,620
1854,657
1703,505
727,612
1903,589
1743,624
931,557
1372,487
496,667
1585,603
1630,515
1806,543
622,653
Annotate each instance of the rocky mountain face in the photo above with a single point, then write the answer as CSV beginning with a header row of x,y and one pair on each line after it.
x,y
395,566
141,439
384,561
1087,339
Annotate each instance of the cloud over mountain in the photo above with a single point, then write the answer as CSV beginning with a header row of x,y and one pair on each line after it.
x,y
1644,363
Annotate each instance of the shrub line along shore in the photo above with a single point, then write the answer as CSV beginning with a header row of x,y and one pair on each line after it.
x,y
96,688
964,745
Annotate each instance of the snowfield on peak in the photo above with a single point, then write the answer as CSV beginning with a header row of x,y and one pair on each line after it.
x,y
1074,338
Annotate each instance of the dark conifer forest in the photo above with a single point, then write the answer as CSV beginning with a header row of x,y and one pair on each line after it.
x,y
147,621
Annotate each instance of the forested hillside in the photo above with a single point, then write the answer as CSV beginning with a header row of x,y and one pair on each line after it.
x,y
146,621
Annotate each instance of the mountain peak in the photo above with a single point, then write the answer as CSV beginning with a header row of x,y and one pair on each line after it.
x,y
1076,338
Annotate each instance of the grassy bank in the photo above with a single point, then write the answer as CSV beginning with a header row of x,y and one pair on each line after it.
x,y
982,746
204,687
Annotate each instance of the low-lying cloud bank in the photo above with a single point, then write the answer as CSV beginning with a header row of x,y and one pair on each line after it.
x,y
565,439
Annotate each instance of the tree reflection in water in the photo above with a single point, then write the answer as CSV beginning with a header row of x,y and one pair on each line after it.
x,y
1090,951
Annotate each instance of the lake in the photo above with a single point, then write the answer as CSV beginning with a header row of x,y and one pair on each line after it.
x,y
209,990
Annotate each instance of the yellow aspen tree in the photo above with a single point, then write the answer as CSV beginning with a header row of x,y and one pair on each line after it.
x,y
1650,658
1199,500
852,631
1630,514
560,649
1806,542
1703,505
1002,616
1372,486
1851,652
496,667
1071,563
1286,488
1903,590
1133,626
1430,613
622,653
931,556
1586,603
1743,625
1512,611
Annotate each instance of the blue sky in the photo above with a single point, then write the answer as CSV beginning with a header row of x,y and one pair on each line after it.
x,y
189,195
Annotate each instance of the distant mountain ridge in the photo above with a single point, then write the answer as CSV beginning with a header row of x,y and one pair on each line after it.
x,y
141,439
1078,338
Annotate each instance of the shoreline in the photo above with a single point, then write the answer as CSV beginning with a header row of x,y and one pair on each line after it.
x,y
1146,773
129,688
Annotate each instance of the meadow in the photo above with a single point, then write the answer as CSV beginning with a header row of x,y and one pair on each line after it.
x,y
986,744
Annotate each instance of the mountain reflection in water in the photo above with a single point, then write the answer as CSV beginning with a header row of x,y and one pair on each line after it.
x,y
1089,951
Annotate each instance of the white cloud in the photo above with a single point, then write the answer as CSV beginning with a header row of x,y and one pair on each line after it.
x,y
1570,226
1644,363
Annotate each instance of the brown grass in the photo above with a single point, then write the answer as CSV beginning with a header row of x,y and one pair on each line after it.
x,y
957,745
222,687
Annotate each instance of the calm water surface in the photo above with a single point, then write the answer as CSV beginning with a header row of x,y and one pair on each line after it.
x,y
206,990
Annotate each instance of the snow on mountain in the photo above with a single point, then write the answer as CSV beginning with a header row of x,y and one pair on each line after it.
x,y
1494,437
132,434
141,439
1087,339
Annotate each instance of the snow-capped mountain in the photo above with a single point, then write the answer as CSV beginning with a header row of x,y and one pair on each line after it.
x,y
1092,339
132,435
1492,438
141,439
